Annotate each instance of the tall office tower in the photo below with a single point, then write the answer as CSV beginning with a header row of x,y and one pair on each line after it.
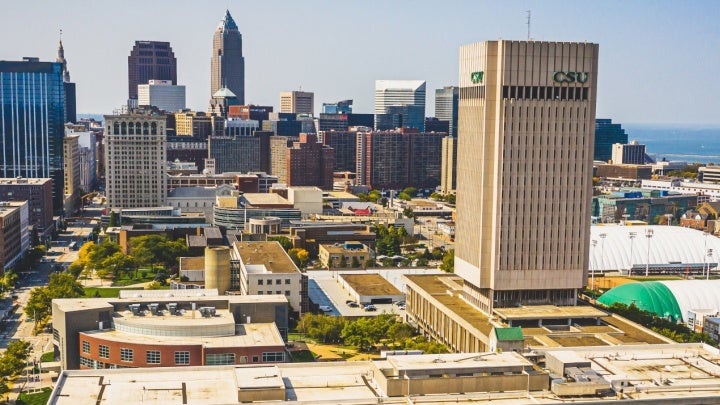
x,y
310,163
524,167
632,153
345,145
278,156
446,106
448,172
162,94
398,159
401,93
71,158
241,153
70,97
227,65
31,129
135,159
606,135
297,102
150,60
341,107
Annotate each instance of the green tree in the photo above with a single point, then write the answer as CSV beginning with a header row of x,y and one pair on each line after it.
x,y
436,196
326,329
8,280
448,262
411,191
4,387
450,199
355,263
404,196
284,241
398,332
60,285
12,362
169,252
343,262
118,263
113,219
408,212
374,195
155,285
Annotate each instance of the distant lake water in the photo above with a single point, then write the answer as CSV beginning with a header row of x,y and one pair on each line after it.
x,y
694,145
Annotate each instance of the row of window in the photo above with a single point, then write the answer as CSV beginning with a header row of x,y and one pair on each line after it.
x,y
278,292
151,356
269,281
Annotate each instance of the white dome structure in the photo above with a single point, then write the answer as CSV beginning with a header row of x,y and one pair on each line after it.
x,y
613,249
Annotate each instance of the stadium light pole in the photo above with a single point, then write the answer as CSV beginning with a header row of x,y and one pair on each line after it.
x,y
648,235
592,269
632,236
602,249
709,255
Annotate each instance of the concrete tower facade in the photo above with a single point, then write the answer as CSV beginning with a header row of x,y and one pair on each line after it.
x,y
227,65
525,150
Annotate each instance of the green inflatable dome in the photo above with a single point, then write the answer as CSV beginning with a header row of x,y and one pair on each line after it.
x,y
652,296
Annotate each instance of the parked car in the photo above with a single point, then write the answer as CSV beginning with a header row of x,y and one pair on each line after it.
x,y
352,304
325,308
370,308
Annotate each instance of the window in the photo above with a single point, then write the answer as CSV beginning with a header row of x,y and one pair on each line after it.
x,y
86,347
287,281
273,357
278,292
260,282
152,357
104,351
182,358
243,359
287,293
126,354
218,359
256,359
278,281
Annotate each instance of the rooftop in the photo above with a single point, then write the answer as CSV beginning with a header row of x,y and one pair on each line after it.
x,y
548,312
340,248
163,296
370,284
265,199
269,254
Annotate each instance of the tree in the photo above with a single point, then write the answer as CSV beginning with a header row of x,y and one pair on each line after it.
x,y
404,196
12,362
4,387
155,285
400,331
408,212
448,263
355,263
169,252
450,199
326,329
284,241
411,191
343,262
61,285
148,249
299,256
436,196
118,263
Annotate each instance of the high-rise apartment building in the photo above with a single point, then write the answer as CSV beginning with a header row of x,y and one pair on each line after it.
x,y
448,172
278,156
32,106
227,65
392,95
398,159
162,94
632,153
135,159
606,135
241,153
297,102
150,60
525,151
344,143
310,163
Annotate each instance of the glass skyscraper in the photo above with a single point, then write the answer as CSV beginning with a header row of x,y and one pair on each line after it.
x,y
32,116
404,98
446,106
607,134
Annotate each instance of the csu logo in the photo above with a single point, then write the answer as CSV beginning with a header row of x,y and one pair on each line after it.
x,y
570,77
476,77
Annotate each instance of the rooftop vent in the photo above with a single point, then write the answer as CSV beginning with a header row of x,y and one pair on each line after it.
x,y
135,308
154,308
207,312
173,308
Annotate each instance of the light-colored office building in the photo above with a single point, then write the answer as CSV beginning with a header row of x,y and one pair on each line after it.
x,y
632,153
446,106
391,96
525,152
448,163
297,102
162,94
71,175
135,159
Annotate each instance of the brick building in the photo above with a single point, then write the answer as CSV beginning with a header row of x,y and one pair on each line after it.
x,y
310,163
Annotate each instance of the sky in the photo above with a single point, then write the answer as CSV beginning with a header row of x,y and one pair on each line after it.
x,y
659,60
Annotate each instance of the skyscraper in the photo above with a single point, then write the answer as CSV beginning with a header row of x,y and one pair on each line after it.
x,y
32,95
391,95
227,65
135,159
446,107
70,98
606,135
525,151
150,60
310,163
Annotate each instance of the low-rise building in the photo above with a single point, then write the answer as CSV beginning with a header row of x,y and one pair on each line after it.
x,y
14,234
39,194
161,329
348,254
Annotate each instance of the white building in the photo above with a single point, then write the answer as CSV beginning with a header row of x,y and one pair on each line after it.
x,y
704,191
162,94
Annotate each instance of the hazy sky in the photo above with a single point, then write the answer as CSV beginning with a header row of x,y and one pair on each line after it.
x,y
659,60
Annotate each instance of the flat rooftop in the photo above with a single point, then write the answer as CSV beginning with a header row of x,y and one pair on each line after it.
x,y
369,284
340,248
548,312
265,199
192,263
269,254
80,304
458,361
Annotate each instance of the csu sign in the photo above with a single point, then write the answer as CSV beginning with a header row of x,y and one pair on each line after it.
x,y
476,77
570,77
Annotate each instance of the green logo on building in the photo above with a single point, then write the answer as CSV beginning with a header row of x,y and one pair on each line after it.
x,y
476,77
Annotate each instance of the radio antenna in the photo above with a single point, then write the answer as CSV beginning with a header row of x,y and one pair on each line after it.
x,y
529,15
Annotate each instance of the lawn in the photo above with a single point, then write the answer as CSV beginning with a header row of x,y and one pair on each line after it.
x,y
302,356
39,398
110,292
48,357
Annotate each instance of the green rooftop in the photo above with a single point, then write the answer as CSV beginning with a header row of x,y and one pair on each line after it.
x,y
652,296
506,334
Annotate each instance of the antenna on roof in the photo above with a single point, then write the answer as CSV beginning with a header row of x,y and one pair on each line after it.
x,y
529,15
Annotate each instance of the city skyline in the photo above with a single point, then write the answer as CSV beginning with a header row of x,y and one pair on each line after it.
x,y
639,84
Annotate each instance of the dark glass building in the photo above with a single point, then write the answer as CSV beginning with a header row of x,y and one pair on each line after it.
x,y
150,60
607,134
227,66
32,115
241,153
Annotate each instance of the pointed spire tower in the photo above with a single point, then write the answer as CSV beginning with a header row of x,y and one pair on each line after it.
x,y
61,59
227,65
